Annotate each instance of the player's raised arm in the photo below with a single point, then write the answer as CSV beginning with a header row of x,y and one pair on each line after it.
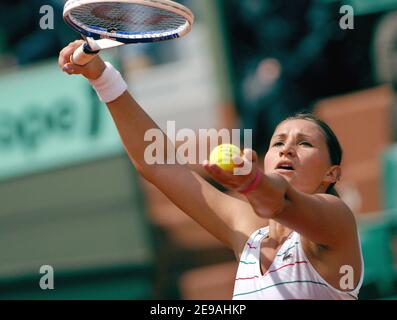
x,y
222,215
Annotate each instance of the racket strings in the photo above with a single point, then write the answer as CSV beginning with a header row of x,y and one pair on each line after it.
x,y
127,18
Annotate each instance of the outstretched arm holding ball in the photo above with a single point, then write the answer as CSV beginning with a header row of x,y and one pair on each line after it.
x,y
228,219
289,193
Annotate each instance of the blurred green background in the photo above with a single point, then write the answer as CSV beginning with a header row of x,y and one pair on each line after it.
x,y
70,198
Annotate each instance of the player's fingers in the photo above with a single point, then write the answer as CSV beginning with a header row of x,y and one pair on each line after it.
x,y
206,167
71,68
245,163
71,47
229,180
237,160
61,58
210,171
220,175
250,155
214,171
236,180
246,168
66,53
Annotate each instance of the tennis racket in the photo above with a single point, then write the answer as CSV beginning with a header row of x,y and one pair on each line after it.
x,y
106,24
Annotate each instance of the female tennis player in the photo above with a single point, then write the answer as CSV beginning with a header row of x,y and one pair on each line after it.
x,y
294,238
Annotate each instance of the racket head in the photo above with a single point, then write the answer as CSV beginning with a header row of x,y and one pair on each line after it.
x,y
129,21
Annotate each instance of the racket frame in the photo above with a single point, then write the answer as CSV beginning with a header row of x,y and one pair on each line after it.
x,y
166,5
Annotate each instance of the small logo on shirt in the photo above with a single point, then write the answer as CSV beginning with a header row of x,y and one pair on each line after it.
x,y
287,256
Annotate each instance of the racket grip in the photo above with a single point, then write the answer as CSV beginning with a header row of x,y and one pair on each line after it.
x,y
83,55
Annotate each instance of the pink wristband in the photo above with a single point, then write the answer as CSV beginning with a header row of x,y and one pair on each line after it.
x,y
253,185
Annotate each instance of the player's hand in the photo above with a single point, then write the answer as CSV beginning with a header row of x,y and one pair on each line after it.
x,y
245,172
92,70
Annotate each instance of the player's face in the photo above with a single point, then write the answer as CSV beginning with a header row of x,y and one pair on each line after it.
x,y
298,151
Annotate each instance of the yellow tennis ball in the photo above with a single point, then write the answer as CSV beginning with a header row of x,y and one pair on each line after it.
x,y
222,156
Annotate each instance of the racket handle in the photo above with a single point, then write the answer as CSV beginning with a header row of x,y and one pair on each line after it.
x,y
83,55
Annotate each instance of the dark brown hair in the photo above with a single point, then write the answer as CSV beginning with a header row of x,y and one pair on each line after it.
x,y
334,148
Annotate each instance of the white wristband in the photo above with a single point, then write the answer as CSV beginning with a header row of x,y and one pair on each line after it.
x,y
110,85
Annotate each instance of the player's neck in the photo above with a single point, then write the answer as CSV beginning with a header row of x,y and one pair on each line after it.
x,y
278,232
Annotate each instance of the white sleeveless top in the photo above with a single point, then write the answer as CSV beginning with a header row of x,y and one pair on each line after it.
x,y
290,277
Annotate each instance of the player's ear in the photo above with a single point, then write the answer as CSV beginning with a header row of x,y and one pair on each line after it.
x,y
333,174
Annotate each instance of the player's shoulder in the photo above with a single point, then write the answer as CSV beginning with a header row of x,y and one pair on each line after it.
x,y
334,200
338,206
